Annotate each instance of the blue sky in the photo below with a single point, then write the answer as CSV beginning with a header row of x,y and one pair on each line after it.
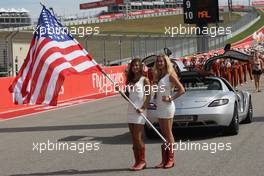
x,y
64,7
61,7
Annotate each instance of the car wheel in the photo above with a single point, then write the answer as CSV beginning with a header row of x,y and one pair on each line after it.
x,y
249,117
233,128
150,133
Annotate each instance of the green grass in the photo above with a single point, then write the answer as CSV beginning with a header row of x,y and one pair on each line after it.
x,y
152,25
145,26
249,31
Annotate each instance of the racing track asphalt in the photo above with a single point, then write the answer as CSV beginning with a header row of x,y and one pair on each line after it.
x,y
104,121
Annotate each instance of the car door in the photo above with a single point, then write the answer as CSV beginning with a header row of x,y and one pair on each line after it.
x,y
229,54
240,99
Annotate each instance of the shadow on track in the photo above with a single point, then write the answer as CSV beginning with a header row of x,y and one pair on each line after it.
x,y
191,134
258,119
196,134
63,128
75,172
124,138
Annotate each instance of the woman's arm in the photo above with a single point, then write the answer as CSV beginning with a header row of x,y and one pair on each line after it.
x,y
174,79
262,65
147,94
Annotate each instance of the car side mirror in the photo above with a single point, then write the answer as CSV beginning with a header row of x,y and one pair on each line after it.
x,y
152,106
167,51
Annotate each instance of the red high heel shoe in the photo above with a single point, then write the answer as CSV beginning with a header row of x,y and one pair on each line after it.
x,y
141,160
136,158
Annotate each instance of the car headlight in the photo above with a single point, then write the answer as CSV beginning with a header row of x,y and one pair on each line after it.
x,y
218,102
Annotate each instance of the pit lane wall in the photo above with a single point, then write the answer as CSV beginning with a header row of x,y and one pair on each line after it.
x,y
74,87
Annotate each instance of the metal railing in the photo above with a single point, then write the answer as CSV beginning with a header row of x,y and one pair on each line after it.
x,y
114,50
245,19
120,49
93,20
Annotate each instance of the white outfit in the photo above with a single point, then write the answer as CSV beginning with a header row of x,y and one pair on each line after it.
x,y
165,110
257,65
136,95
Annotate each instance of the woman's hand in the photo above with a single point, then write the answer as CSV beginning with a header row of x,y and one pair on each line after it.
x,y
117,87
155,95
166,98
140,110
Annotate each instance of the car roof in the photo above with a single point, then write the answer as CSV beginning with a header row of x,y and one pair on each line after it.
x,y
195,73
229,54
150,60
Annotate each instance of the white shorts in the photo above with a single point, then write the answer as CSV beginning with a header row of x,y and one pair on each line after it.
x,y
136,118
165,110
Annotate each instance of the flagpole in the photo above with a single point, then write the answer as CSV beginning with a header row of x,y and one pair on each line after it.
x,y
143,115
124,95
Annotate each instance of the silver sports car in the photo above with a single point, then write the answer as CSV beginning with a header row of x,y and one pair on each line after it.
x,y
208,101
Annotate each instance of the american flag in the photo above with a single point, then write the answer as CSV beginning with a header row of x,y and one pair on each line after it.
x,y
53,55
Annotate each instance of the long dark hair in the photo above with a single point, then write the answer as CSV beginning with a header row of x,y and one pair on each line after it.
x,y
130,74
227,47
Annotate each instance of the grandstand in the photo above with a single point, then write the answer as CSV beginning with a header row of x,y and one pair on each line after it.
x,y
133,5
14,18
126,6
3,59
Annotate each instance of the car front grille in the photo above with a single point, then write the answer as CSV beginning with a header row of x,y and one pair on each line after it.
x,y
183,124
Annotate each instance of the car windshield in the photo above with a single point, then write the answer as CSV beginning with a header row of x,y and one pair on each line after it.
x,y
198,83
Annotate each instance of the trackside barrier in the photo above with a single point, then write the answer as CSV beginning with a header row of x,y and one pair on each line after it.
x,y
74,87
